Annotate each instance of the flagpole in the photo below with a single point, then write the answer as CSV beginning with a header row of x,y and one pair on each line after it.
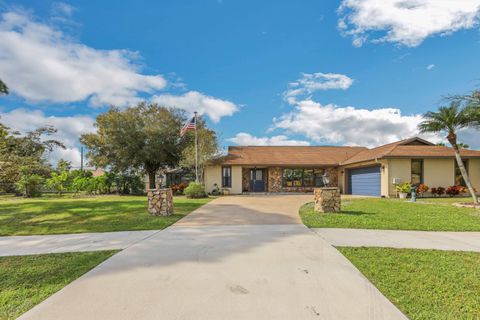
x,y
196,149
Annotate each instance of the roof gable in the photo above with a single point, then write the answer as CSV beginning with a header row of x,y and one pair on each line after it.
x,y
415,141
409,148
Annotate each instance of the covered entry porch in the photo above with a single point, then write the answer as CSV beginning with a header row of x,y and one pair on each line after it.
x,y
285,179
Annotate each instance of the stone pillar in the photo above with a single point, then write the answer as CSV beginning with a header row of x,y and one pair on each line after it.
x,y
327,199
160,202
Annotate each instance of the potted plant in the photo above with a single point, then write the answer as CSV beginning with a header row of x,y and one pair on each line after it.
x,y
403,189
216,190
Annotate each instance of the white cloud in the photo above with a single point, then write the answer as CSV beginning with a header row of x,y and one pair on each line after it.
x,y
311,82
349,125
430,66
407,22
246,139
40,63
192,101
69,130
62,9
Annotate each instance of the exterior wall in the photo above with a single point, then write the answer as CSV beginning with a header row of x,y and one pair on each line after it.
x,y
213,175
436,172
236,180
385,178
439,172
398,168
474,173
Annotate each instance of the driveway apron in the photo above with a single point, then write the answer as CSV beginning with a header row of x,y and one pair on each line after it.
x,y
238,257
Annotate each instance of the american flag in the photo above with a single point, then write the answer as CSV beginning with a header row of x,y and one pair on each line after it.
x,y
190,125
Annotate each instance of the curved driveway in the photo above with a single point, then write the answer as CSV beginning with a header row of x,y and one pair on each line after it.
x,y
238,257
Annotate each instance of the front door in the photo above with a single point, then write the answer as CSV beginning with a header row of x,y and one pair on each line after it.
x,y
257,180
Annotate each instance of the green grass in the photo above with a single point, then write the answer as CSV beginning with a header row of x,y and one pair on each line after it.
x,y
86,214
27,280
393,214
424,284
446,200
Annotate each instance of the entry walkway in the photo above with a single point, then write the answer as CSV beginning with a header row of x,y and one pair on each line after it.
x,y
459,241
238,257
25,245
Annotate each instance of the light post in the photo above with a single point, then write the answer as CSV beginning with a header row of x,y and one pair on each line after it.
x,y
326,179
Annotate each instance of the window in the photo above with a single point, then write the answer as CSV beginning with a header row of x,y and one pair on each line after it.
x,y
458,175
417,172
318,174
303,177
308,177
226,177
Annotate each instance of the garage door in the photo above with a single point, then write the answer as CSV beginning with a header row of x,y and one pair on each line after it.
x,y
364,181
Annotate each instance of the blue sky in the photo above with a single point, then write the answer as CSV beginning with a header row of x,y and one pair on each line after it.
x,y
352,72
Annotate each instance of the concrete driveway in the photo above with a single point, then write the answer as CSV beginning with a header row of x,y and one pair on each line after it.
x,y
238,257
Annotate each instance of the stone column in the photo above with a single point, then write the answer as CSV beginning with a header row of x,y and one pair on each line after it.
x,y
327,199
160,202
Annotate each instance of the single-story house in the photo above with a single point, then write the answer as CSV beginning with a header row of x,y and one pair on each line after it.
x,y
355,170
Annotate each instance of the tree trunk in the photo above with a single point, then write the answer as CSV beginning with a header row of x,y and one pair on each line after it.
x,y
452,138
151,179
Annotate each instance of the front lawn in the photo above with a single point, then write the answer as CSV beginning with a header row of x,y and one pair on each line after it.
x,y
20,216
395,214
27,280
424,284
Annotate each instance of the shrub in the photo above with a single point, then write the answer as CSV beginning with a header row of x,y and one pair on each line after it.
x,y
195,190
404,187
437,191
59,182
455,190
178,189
30,185
421,189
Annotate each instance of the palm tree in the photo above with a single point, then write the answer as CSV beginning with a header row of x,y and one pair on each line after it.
x,y
463,145
3,88
449,119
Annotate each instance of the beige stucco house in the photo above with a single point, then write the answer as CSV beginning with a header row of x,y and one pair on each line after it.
x,y
355,170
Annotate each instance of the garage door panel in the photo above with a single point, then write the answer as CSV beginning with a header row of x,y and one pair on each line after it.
x,y
364,181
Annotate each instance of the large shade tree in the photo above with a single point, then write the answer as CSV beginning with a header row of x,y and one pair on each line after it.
x,y
461,113
145,137
3,87
19,152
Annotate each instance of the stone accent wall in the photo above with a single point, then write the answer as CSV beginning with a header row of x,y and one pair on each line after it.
x,y
275,175
327,200
245,179
160,202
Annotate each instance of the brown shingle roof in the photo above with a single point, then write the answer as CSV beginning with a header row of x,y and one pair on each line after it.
x,y
289,156
333,156
379,152
414,147
431,151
